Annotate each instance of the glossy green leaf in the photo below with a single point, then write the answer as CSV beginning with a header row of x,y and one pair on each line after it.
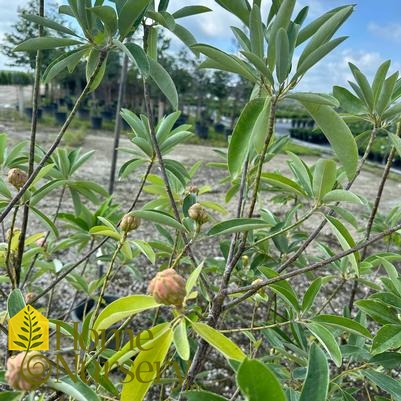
x,y
338,134
130,12
219,341
225,61
364,86
43,43
284,183
316,384
134,389
315,56
48,223
341,195
190,10
389,360
379,311
344,323
237,225
181,340
325,32
108,16
311,293
122,308
319,98
257,382
348,101
159,218
163,80
388,337
324,177
346,241
37,19
193,278
386,93
256,29
282,55
145,249
385,382
76,389
327,340
380,77
137,55
242,135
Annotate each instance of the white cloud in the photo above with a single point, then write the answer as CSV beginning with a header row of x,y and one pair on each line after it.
x,y
390,31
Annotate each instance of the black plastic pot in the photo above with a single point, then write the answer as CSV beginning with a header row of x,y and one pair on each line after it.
x,y
83,113
107,115
60,116
202,130
219,128
96,122
83,308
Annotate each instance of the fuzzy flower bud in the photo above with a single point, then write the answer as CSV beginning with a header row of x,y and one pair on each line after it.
x,y
130,222
193,189
168,288
198,213
29,296
27,370
17,177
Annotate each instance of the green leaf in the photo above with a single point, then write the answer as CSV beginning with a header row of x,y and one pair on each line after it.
x,y
242,135
338,134
284,183
163,80
325,32
237,225
146,249
341,195
380,77
388,337
311,294
16,395
240,9
379,311
75,389
225,61
396,141
190,10
219,341
108,17
134,389
43,43
316,383
257,382
256,29
364,86
203,396
348,101
130,12
324,177
122,308
193,278
45,220
319,98
181,340
161,218
282,56
48,23
327,340
344,323
385,382
389,360
15,302
346,241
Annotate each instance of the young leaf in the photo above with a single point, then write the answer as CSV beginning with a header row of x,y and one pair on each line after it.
x,y
135,388
258,382
348,101
324,178
219,341
181,340
338,134
316,384
122,308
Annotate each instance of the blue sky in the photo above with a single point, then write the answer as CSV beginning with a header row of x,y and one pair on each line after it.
x,y
374,29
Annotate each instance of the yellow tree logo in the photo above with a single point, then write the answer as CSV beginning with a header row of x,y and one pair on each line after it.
x,y
28,330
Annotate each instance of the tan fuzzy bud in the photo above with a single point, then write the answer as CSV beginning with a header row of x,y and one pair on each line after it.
x,y
29,296
168,288
17,177
193,189
198,213
27,370
130,222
